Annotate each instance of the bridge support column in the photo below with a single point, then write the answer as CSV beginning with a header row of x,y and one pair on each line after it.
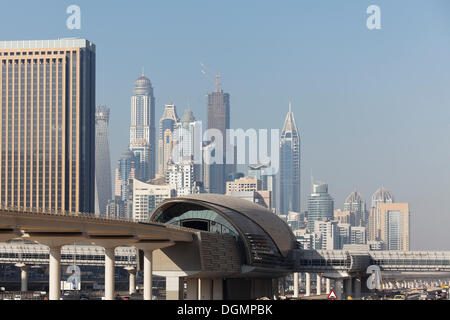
x,y
206,289
192,289
283,286
296,279
148,272
319,284
328,284
308,284
357,288
275,289
148,247
23,276
339,289
348,288
109,273
55,273
132,279
218,289
174,288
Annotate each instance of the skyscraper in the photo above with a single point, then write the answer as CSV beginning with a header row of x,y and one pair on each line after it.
x,y
167,126
329,234
188,138
102,160
356,204
219,118
142,129
382,195
320,205
48,124
289,166
374,225
126,170
394,227
181,175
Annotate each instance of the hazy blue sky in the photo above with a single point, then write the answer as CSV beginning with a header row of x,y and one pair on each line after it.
x,y
372,107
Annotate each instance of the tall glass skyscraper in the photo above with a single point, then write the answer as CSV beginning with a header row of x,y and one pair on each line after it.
x,y
102,160
142,129
218,118
167,126
47,117
320,205
289,166
126,170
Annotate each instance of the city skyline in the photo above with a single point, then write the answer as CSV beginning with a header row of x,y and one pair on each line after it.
x,y
393,108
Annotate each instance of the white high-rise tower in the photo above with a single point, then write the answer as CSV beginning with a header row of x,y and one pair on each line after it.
x,y
142,129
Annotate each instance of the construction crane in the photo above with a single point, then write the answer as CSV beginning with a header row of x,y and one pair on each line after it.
x,y
207,73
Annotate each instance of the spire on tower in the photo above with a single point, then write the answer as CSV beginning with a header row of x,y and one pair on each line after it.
x,y
218,76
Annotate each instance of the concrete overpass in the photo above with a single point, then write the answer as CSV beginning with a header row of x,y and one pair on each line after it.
x,y
58,229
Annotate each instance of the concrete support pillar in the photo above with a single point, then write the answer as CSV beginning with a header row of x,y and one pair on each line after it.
x,y
357,288
55,273
174,288
296,280
283,286
132,279
109,273
23,276
218,289
206,289
319,285
148,272
275,289
328,286
339,289
308,284
348,288
192,289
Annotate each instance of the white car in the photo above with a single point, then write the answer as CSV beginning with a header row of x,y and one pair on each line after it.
x,y
18,297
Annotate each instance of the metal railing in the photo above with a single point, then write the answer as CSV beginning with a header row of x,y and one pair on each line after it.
x,y
82,254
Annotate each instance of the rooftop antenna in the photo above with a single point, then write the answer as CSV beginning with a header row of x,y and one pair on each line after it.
x,y
143,70
218,77
290,106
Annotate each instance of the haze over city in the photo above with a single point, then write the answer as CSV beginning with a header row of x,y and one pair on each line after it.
x,y
371,106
